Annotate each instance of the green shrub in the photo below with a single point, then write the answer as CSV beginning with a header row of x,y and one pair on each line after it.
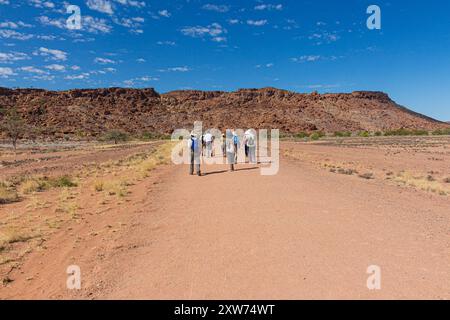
x,y
378,134
316,135
62,182
364,134
406,132
342,134
442,132
301,135
116,136
419,132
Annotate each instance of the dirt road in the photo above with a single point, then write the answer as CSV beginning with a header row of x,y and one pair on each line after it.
x,y
303,234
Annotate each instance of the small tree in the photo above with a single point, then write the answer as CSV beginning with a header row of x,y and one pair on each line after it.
x,y
13,125
116,136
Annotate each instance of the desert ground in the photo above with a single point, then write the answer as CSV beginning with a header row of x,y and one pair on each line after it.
x,y
139,227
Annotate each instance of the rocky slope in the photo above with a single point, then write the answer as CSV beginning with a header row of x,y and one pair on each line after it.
x,y
94,111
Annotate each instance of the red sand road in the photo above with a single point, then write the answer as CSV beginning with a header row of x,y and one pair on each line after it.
x,y
304,233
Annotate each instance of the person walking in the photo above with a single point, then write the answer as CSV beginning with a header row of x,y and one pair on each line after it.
x,y
194,145
236,143
209,144
231,150
250,146
224,144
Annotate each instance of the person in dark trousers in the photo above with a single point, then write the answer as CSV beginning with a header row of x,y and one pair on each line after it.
x,y
195,148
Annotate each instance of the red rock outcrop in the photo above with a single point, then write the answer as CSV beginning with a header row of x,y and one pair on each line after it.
x,y
94,111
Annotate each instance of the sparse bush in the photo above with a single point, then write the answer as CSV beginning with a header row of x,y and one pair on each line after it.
x,y
419,132
406,132
301,135
367,176
30,186
341,134
378,134
116,136
62,182
7,194
13,125
442,132
364,134
317,135
99,186
348,172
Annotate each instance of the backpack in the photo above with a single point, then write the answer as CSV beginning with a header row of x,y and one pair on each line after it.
x,y
194,145
251,141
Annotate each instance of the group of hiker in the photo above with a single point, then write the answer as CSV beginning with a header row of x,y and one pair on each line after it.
x,y
231,144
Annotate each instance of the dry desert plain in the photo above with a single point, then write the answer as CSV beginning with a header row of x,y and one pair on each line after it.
x,y
140,227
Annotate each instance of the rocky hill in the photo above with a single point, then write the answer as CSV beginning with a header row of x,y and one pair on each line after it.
x,y
94,111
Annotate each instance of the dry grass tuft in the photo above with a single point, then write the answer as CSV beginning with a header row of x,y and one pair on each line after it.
x,y
7,194
422,183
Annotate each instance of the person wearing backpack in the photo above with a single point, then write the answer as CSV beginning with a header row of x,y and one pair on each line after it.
x,y
208,137
236,144
231,149
195,150
251,145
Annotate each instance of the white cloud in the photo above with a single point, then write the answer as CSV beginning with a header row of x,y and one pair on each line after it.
x,y
176,69
278,7
4,1
219,39
257,23
327,37
214,30
233,21
267,65
164,13
217,8
132,3
75,68
42,4
46,21
13,56
104,61
53,54
95,25
12,34
166,43
56,67
132,23
6,72
89,24
81,76
141,60
310,58
31,69
103,6
14,25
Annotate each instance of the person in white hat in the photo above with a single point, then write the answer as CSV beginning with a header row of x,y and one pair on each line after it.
x,y
250,145
194,145
231,149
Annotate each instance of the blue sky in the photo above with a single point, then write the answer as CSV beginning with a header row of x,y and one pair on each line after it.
x,y
301,46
